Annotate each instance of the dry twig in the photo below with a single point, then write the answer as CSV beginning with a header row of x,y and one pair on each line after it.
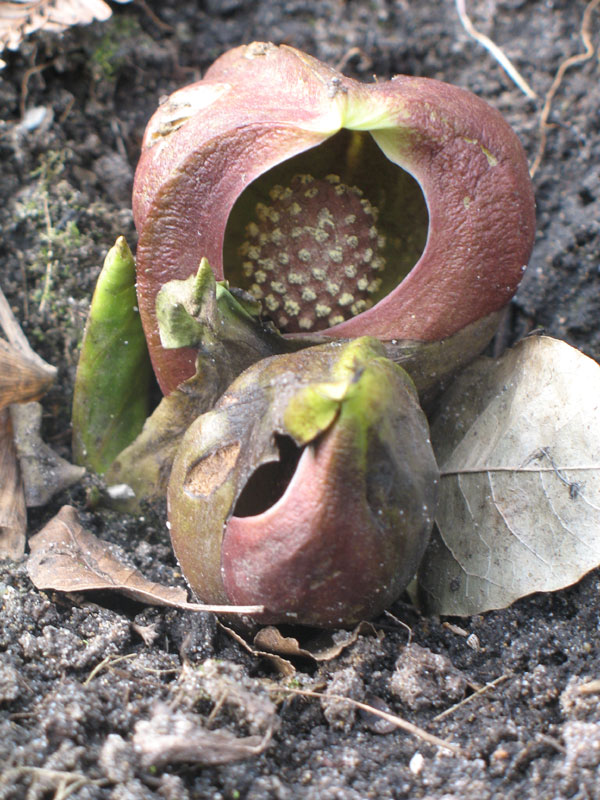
x,y
24,376
586,36
399,722
494,50
64,783
468,699
106,663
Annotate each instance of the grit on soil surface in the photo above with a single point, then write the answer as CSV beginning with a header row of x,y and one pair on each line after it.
x,y
69,728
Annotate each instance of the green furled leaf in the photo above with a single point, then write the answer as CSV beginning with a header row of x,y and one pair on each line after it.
x,y
111,400
145,465
518,444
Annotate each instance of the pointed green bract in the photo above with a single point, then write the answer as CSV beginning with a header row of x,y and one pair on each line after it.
x,y
198,312
111,399
176,308
313,409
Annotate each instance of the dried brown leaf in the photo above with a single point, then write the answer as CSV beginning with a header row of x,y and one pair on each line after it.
x,y
24,376
518,444
172,737
13,515
282,665
271,644
68,558
323,646
44,472
14,334
21,379
19,18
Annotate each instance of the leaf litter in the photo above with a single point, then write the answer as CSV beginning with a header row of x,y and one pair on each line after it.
x,y
68,558
20,18
30,471
518,443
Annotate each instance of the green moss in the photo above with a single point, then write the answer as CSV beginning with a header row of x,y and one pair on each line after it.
x,y
51,166
110,55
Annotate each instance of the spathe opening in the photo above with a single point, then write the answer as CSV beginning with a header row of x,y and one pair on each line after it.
x,y
357,162
268,483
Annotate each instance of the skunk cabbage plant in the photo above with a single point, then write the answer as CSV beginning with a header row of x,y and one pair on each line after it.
x,y
397,209
347,226
310,487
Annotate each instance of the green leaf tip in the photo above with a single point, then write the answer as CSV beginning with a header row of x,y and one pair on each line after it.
x,y
357,391
177,306
191,311
313,410
121,265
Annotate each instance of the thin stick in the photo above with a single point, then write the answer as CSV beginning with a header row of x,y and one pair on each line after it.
x,y
25,80
414,730
494,50
586,36
63,779
468,699
106,663
402,624
240,610
155,19
50,263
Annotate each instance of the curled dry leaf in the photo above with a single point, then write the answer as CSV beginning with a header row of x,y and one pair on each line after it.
x,y
270,643
280,664
44,472
13,515
19,18
68,558
22,379
323,646
172,737
518,444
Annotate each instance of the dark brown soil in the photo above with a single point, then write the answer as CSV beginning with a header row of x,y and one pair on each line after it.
x,y
73,112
